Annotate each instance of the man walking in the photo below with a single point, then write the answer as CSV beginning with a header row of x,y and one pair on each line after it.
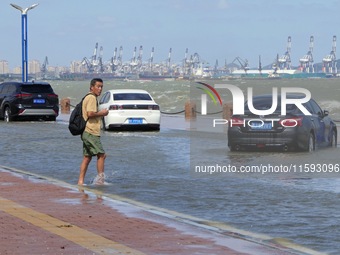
x,y
92,145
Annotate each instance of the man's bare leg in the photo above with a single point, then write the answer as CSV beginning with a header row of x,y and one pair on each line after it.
x,y
100,168
83,169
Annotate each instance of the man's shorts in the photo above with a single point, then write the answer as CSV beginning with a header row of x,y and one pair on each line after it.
x,y
91,145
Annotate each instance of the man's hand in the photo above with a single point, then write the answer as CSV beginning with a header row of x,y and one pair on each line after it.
x,y
104,112
101,113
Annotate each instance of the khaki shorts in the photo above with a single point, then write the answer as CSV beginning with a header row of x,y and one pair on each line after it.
x,y
91,145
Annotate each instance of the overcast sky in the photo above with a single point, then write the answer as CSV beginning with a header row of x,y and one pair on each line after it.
x,y
66,30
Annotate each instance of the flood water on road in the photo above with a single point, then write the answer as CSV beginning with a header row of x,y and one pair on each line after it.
x,y
156,168
153,167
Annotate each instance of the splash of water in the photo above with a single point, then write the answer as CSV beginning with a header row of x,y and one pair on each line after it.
x,y
99,179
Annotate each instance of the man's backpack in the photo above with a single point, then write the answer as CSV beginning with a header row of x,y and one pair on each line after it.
x,y
77,123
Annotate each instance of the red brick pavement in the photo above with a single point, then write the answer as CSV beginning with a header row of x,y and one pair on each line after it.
x,y
133,231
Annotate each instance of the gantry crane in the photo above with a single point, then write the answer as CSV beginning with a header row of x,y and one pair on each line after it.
x,y
306,62
140,57
113,62
133,62
215,71
244,63
260,65
44,68
100,66
284,62
151,59
94,56
120,56
168,62
85,62
329,62
186,64
93,63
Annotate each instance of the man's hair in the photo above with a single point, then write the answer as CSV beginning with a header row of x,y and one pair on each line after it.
x,y
94,80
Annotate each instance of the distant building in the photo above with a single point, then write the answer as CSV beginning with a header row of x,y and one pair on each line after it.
x,y
17,70
34,67
54,71
4,69
77,67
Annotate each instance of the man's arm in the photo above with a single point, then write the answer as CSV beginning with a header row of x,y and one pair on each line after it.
x,y
101,113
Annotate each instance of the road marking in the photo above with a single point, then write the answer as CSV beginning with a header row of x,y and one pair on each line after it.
x,y
82,237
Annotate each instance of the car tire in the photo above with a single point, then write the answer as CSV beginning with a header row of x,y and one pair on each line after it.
x,y
334,139
311,143
7,115
157,128
234,147
50,118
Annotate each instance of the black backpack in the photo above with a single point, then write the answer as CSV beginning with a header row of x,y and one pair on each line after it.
x,y
77,123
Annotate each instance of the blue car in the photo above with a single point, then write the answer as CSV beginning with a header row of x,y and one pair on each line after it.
x,y
293,131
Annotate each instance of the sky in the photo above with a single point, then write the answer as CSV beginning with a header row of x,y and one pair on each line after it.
x,y
67,30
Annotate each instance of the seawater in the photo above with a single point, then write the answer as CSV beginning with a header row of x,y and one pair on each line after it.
x,y
171,95
153,167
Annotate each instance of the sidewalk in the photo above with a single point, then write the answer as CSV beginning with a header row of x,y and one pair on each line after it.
x,y
44,216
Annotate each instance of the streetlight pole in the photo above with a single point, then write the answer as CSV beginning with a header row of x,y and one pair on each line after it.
x,y
24,38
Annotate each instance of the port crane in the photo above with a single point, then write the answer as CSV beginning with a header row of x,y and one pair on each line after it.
x,y
119,62
151,59
116,61
165,68
113,62
195,64
215,71
168,62
275,65
191,65
100,66
307,61
44,68
133,62
94,56
243,63
92,64
260,65
186,64
196,60
140,56
85,62
284,62
225,67
329,62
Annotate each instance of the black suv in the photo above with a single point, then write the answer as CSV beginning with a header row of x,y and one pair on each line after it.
x,y
28,100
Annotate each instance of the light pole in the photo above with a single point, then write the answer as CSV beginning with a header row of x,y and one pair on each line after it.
x,y
24,38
